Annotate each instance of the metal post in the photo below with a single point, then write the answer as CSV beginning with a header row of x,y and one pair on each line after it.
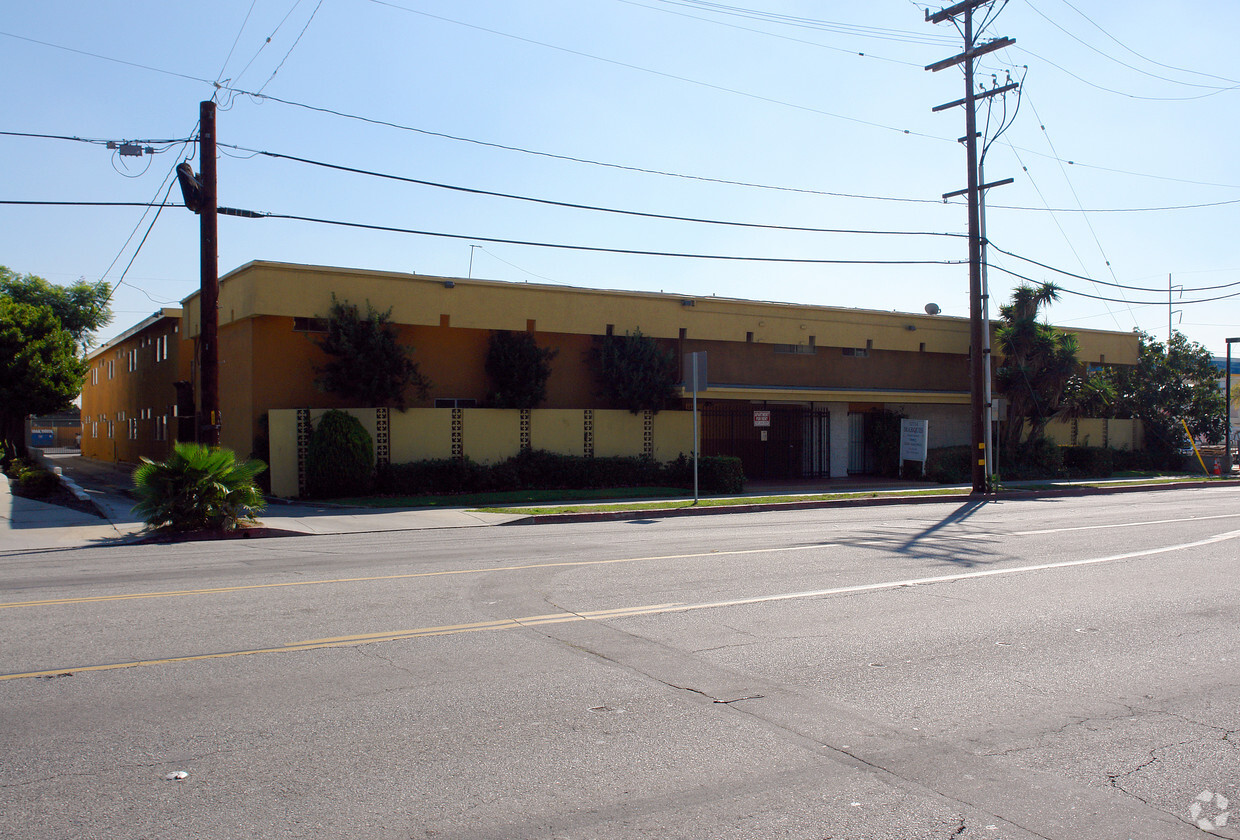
x,y
1227,428
695,429
208,299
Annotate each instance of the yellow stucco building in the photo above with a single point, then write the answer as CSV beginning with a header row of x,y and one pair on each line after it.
x,y
814,371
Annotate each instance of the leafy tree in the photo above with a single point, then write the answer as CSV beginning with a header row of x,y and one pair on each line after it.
x,y
1039,373
368,366
518,369
1166,385
40,371
634,372
81,308
197,488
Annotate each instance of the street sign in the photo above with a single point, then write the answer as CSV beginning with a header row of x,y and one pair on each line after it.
x,y
761,418
695,374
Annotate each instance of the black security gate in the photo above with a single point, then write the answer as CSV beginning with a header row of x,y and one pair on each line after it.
x,y
796,444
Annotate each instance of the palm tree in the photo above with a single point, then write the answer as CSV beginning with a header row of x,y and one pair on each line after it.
x,y
1038,365
197,488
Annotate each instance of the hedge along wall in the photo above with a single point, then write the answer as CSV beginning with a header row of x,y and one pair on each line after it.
x,y
484,435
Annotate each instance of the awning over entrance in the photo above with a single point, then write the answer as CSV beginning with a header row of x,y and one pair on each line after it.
x,y
827,395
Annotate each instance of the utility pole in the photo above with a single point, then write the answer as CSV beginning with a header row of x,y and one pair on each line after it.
x,y
977,382
208,299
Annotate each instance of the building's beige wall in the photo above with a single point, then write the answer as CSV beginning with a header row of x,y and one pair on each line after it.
x,y
617,433
1113,434
673,434
558,430
420,434
282,428
488,435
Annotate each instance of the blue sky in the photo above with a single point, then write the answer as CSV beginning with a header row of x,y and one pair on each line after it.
x,y
821,110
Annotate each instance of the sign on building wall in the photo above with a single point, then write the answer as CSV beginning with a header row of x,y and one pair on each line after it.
x,y
761,419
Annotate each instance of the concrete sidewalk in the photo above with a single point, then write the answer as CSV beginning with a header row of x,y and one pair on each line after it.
x,y
28,525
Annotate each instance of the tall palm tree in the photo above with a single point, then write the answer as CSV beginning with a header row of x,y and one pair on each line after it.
x,y
1038,363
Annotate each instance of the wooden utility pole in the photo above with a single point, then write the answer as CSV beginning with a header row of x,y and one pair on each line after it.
x,y
208,299
973,190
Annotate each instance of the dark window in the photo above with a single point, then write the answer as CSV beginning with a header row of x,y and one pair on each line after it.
x,y
310,325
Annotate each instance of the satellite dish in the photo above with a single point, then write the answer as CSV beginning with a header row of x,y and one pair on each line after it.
x,y
932,309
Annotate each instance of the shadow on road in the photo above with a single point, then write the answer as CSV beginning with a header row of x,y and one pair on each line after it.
x,y
931,543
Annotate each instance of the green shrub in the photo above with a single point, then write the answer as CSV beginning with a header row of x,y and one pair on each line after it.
x,y
1088,461
447,476
535,469
197,488
717,474
1041,458
950,465
340,460
34,482
1140,460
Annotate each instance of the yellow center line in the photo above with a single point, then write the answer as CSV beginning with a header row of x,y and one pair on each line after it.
x,y
178,593
624,612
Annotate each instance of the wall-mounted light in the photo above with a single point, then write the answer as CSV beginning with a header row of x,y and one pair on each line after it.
x,y
448,284
688,302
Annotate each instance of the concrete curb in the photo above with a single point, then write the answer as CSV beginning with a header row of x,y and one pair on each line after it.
x,y
870,501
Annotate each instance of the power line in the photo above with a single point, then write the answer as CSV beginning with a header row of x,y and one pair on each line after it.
x,y
109,58
89,203
374,121
1116,300
1124,94
575,206
290,49
1104,282
686,79
771,34
1109,57
599,249
1144,57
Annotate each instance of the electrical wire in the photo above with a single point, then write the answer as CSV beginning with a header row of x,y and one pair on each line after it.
x,y
600,249
662,74
290,49
267,41
1124,94
1193,289
88,203
236,40
1143,57
771,34
109,58
1115,300
574,206
374,121
1109,57
142,242
858,30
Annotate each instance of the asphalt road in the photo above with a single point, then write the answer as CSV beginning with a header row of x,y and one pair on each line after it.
x,y
1058,668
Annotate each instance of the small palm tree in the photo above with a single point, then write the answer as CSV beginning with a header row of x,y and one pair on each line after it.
x,y
198,488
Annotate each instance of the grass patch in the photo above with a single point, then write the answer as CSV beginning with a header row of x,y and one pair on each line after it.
x,y
509,497
729,501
